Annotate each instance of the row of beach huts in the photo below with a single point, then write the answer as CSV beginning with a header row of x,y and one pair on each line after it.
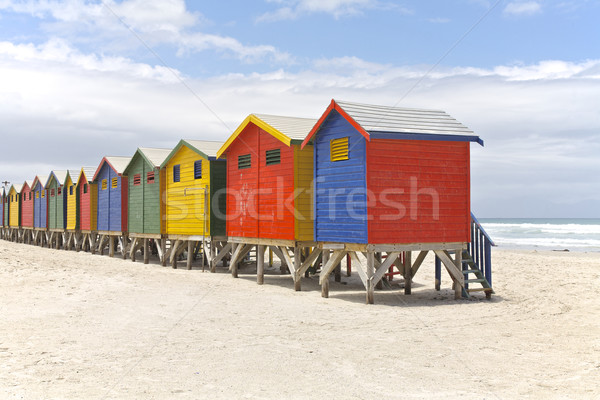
x,y
376,188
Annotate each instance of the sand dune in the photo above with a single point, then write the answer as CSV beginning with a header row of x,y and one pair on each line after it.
x,y
77,326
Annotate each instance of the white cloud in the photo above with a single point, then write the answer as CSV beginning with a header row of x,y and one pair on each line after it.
x,y
155,22
64,109
292,9
438,20
523,8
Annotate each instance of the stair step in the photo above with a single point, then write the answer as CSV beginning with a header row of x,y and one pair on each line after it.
x,y
480,280
471,271
481,289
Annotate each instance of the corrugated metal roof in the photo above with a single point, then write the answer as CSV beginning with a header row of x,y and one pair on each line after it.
x,y
74,174
374,118
89,173
42,178
60,175
293,127
155,156
118,163
209,148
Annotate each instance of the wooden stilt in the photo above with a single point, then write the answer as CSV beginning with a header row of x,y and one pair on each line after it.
x,y
325,289
190,254
458,263
379,284
260,264
163,247
146,251
174,253
111,246
134,246
408,272
213,255
297,265
370,273
234,263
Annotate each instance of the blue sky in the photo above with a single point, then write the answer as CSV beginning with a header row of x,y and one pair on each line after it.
x,y
524,75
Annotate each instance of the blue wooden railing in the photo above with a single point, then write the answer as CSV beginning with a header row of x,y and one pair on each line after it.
x,y
480,249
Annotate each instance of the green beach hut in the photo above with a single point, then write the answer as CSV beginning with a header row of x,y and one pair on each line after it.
x,y
145,208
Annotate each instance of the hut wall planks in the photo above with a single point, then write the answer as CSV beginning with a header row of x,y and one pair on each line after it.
x,y
88,203
14,205
26,207
40,206
72,205
242,185
303,178
340,186
185,212
275,196
112,200
420,191
218,204
144,214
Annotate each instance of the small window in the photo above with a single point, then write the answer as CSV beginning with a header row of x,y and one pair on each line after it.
x,y
43,194
71,190
137,179
150,177
104,184
198,169
84,188
37,195
176,173
244,161
25,196
339,149
114,183
59,191
273,156
51,192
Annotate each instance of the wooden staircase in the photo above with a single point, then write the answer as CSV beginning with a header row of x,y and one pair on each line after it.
x,y
471,268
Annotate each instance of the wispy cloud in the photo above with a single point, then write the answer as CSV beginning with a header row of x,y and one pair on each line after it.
x,y
157,22
292,9
438,20
523,8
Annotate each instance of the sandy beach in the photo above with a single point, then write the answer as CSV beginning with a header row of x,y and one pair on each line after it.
x,y
82,326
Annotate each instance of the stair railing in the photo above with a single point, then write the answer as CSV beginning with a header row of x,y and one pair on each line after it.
x,y
480,248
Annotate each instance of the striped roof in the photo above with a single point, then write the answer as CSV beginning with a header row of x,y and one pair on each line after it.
x,y
397,123
206,148
74,174
285,129
59,175
409,120
154,156
88,172
40,178
17,186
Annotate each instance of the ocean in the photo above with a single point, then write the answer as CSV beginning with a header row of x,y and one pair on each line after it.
x,y
577,234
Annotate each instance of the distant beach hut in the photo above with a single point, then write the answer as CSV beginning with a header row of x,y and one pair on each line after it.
x,y
87,204
195,201
2,202
40,203
56,207
27,203
70,191
14,201
112,203
269,180
145,205
391,180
